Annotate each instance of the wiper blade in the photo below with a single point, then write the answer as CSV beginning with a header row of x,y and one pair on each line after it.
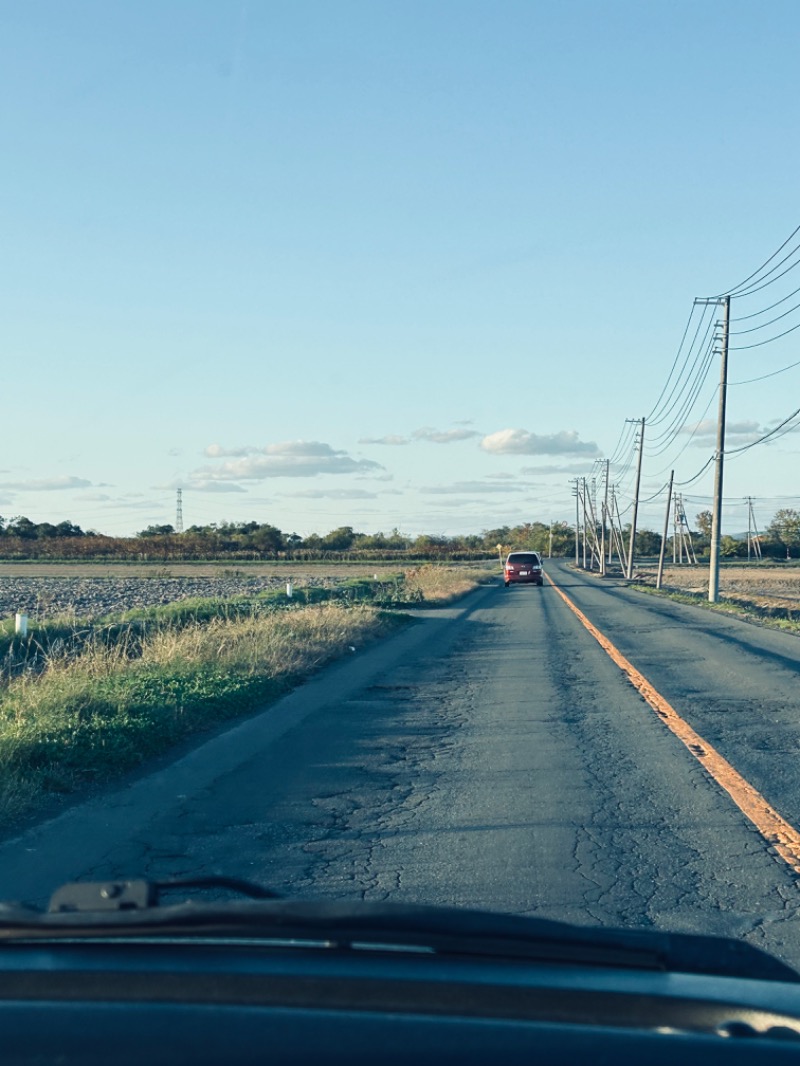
x,y
138,895
133,909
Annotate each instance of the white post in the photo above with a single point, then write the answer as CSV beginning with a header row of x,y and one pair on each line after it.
x,y
289,589
21,625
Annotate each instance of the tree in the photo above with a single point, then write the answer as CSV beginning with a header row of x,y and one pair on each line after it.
x,y
22,527
647,542
730,546
785,528
339,539
704,521
266,538
156,531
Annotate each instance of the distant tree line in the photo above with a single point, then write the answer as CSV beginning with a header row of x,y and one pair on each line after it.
x,y
21,538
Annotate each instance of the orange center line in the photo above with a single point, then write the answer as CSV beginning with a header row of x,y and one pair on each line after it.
x,y
779,834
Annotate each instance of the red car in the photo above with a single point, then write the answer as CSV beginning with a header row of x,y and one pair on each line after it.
x,y
523,567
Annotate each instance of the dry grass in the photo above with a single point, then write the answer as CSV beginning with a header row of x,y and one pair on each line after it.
x,y
760,585
86,719
439,585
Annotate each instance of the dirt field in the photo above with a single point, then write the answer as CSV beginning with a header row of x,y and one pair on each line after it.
x,y
295,568
759,584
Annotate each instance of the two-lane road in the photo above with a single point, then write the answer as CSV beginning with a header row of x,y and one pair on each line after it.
x,y
492,755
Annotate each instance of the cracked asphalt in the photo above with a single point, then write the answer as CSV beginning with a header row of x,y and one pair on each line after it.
x,y
490,755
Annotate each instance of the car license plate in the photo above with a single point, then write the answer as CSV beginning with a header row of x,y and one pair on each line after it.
x,y
523,573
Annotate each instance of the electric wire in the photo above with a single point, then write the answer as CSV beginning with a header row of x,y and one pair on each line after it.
x,y
621,446
773,433
766,284
763,311
750,277
674,364
671,400
763,377
698,424
701,471
760,344
667,436
699,368
772,321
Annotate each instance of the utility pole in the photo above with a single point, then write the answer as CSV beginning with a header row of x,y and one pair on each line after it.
x,y
666,530
179,513
577,521
713,574
629,574
617,531
583,498
603,527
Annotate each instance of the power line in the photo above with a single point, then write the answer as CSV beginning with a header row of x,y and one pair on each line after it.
x,y
766,284
760,344
772,321
699,368
674,363
701,374
763,377
768,436
702,469
763,311
698,424
672,399
627,429
742,284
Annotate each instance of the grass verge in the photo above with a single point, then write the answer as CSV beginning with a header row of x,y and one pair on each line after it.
x,y
83,701
85,719
769,617
66,637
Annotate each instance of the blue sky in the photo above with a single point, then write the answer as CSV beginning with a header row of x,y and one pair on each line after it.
x,y
384,264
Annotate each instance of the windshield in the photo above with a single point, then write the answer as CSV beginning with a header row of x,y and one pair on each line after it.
x,y
316,314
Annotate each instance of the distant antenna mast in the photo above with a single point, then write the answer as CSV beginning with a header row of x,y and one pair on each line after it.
x,y
179,513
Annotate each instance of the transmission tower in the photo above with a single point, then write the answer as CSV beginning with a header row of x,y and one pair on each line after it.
x,y
683,535
179,513
753,536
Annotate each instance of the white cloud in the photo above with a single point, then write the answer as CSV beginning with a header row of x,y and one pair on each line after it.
x,y
298,458
425,433
708,428
392,439
470,487
446,436
551,468
199,485
521,442
332,494
216,451
48,484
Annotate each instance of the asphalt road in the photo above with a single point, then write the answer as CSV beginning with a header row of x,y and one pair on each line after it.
x,y
491,755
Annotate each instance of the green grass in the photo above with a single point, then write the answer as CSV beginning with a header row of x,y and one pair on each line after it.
x,y
87,719
82,702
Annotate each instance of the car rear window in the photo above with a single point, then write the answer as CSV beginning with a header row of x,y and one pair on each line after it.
x,y
531,558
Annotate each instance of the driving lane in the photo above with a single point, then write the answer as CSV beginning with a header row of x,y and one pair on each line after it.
x,y
490,756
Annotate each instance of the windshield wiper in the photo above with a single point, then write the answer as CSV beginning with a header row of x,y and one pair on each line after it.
x,y
135,909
